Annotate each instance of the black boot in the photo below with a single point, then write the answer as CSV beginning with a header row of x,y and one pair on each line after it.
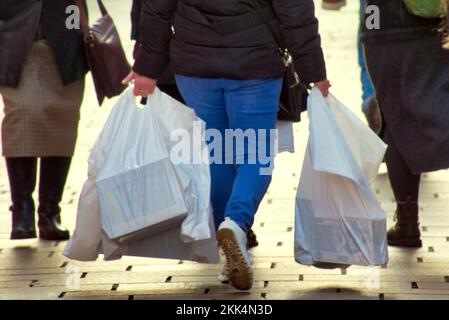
x,y
22,181
53,176
406,232
252,239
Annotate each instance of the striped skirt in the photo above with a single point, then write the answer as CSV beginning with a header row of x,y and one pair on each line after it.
x,y
41,114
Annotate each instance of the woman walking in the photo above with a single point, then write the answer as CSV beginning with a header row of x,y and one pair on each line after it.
x,y
167,82
42,69
229,70
410,73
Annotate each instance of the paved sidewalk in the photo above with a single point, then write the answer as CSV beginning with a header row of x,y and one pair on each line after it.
x,y
33,269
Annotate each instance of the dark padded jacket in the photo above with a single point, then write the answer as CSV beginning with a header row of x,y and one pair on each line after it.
x,y
228,39
397,24
19,22
135,19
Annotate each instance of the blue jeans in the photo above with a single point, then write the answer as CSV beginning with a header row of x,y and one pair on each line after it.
x,y
367,86
237,185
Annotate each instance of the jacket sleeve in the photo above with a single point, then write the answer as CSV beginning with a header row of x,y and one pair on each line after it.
x,y
155,33
299,29
135,19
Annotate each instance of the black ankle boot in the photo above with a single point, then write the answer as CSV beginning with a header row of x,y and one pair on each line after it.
x,y
50,227
406,231
23,223
53,176
252,239
22,181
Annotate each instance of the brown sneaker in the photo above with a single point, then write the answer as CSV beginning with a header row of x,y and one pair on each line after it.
x,y
234,243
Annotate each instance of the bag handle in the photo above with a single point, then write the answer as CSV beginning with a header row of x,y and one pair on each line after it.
x,y
283,50
279,42
84,20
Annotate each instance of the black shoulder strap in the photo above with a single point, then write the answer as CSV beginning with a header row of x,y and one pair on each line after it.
x,y
276,38
84,20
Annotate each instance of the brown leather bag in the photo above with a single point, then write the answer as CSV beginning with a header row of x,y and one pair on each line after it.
x,y
105,54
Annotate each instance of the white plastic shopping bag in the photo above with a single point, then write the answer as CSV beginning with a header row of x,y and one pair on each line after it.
x,y
136,193
338,218
139,190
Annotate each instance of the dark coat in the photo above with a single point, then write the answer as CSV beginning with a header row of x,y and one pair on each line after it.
x,y
19,22
166,82
397,24
410,72
228,39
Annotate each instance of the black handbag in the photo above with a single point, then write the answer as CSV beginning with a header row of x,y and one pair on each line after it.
x,y
294,94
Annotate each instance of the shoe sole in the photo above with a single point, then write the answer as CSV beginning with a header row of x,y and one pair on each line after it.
x,y
22,236
44,235
239,272
407,243
333,6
